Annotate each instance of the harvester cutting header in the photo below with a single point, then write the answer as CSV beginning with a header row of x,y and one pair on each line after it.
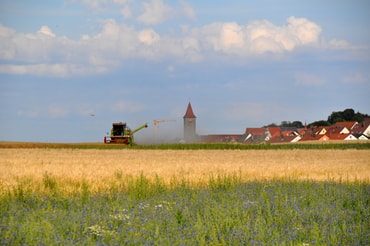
x,y
122,134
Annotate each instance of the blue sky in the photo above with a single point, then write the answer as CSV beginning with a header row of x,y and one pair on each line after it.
x,y
240,63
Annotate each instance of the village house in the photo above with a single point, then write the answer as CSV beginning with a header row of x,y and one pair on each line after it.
x,y
255,135
271,135
362,130
350,130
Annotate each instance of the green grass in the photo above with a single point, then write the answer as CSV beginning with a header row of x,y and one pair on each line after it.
x,y
228,212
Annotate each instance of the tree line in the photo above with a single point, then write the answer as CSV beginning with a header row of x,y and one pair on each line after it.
x,y
336,116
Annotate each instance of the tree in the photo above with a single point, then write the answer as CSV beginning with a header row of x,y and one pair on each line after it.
x,y
346,115
296,123
319,123
335,117
359,117
285,124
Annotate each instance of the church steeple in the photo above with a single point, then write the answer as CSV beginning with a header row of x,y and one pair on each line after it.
x,y
190,134
189,112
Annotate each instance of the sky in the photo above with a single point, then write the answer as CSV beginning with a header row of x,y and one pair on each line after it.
x,y
69,69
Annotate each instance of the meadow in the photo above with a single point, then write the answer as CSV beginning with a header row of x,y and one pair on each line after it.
x,y
90,196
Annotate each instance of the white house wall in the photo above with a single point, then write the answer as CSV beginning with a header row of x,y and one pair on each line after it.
x,y
344,131
350,137
367,131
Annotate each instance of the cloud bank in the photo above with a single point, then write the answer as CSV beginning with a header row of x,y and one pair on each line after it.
x,y
45,54
154,12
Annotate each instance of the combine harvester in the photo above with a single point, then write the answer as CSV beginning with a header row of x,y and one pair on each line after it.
x,y
122,134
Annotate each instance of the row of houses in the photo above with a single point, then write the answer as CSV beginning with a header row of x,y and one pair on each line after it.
x,y
339,131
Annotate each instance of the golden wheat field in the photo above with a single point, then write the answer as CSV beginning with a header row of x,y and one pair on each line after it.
x,y
102,169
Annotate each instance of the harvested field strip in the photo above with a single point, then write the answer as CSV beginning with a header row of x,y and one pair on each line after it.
x,y
101,170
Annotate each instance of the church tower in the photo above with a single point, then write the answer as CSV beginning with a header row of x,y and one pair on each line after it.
x,y
190,125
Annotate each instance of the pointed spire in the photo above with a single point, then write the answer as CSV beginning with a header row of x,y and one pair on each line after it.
x,y
189,112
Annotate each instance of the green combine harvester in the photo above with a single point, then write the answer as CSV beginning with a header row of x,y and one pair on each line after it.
x,y
122,134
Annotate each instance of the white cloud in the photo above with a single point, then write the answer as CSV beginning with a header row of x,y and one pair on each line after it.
x,y
5,31
232,35
187,10
48,70
126,12
154,12
45,30
45,54
191,49
258,37
107,47
305,31
148,36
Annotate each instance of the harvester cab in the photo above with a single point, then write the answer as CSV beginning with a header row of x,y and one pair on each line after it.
x,y
118,129
122,134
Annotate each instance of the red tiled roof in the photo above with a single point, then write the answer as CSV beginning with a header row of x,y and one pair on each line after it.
x,y
322,138
336,129
189,112
348,124
310,137
256,131
361,127
301,131
366,121
338,136
274,131
289,133
307,137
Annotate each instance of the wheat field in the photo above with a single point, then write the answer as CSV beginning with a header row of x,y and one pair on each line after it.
x,y
103,169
